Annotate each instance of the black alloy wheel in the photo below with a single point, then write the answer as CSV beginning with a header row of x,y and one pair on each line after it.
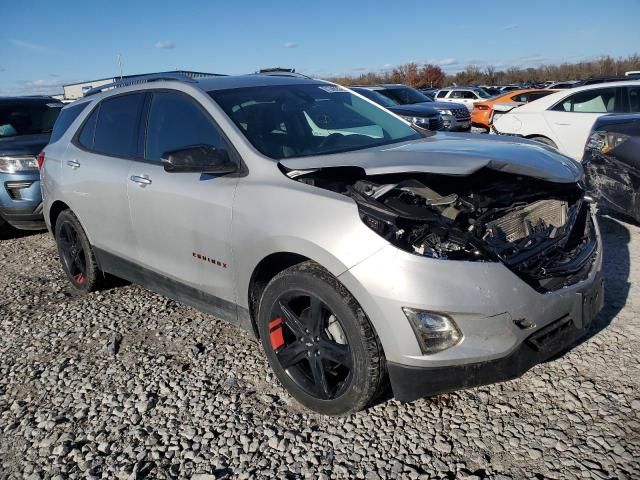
x,y
310,344
319,342
72,253
76,253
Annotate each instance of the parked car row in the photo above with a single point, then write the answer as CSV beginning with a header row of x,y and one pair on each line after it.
x,y
455,116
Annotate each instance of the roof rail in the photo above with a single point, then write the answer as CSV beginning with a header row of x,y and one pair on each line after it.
x,y
281,72
153,77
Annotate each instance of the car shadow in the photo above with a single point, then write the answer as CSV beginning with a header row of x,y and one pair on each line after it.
x,y
616,270
7,232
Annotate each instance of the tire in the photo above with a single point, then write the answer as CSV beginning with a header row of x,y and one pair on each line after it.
x,y
546,141
4,226
319,342
76,254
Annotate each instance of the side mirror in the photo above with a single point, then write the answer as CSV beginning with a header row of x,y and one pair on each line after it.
x,y
198,159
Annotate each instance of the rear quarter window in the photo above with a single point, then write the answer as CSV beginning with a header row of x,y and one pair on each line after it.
x,y
65,119
113,127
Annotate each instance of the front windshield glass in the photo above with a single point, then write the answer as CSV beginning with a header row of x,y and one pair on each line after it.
x,y
285,121
27,118
374,96
405,95
483,93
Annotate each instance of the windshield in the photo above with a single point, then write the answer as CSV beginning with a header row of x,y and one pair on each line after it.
x,y
483,93
309,119
405,95
28,117
374,96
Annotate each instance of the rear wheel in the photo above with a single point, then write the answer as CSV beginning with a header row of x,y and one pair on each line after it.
x,y
76,254
319,342
4,226
546,141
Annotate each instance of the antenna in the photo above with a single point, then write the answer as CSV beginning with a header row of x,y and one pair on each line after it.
x,y
120,64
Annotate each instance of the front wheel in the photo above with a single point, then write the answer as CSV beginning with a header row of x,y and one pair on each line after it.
x,y
76,253
319,342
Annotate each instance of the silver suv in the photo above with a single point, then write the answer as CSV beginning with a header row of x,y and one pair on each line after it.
x,y
356,248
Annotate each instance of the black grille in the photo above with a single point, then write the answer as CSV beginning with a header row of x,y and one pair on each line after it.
x,y
461,113
436,123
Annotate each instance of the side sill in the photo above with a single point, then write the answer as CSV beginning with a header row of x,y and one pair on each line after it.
x,y
215,306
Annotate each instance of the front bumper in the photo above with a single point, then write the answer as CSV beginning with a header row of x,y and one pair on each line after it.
x,y
486,300
454,124
21,200
410,383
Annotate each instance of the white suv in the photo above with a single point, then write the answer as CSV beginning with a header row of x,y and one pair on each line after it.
x,y
466,95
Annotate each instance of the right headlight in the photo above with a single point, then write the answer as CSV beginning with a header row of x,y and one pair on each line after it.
x,y
15,164
604,142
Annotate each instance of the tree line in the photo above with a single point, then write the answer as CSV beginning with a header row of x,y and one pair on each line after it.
x,y
432,76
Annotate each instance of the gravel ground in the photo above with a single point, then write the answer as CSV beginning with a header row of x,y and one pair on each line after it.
x,y
127,384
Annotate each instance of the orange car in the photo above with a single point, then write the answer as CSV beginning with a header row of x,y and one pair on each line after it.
x,y
481,114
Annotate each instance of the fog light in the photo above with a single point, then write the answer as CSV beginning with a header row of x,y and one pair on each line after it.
x,y
435,331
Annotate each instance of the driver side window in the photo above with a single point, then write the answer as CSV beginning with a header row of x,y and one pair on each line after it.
x,y
176,121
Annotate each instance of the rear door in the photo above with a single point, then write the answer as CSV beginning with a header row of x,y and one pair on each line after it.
x,y
571,119
95,172
182,221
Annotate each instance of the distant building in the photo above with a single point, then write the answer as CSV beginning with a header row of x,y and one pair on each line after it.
x,y
73,91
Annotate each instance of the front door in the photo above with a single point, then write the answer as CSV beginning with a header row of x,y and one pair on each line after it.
x,y
182,221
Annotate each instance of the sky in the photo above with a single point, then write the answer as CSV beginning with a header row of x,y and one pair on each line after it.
x,y
44,45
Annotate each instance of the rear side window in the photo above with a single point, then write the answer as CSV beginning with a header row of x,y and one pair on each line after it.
x,y
633,94
89,129
65,119
441,94
175,122
466,94
600,100
113,128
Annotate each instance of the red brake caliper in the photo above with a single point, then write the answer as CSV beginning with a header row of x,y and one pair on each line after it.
x,y
79,279
275,333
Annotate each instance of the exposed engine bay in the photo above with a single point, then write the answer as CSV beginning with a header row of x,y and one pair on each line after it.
x,y
541,230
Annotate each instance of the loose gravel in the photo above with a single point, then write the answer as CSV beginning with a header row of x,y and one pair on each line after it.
x,y
127,384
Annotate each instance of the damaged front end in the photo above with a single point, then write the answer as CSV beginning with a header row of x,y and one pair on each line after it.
x,y
543,231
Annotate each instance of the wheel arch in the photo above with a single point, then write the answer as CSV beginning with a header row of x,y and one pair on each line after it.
x,y
55,210
535,136
264,271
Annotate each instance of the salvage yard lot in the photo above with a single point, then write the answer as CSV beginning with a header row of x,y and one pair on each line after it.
x,y
183,394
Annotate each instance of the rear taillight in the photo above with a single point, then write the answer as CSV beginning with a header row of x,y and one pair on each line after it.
x,y
482,107
40,160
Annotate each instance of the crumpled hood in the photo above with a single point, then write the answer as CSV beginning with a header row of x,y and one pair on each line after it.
x,y
24,144
453,154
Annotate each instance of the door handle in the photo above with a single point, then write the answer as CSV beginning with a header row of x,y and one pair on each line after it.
x,y
142,180
73,164
562,124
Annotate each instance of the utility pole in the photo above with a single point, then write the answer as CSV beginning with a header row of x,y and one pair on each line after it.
x,y
120,64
